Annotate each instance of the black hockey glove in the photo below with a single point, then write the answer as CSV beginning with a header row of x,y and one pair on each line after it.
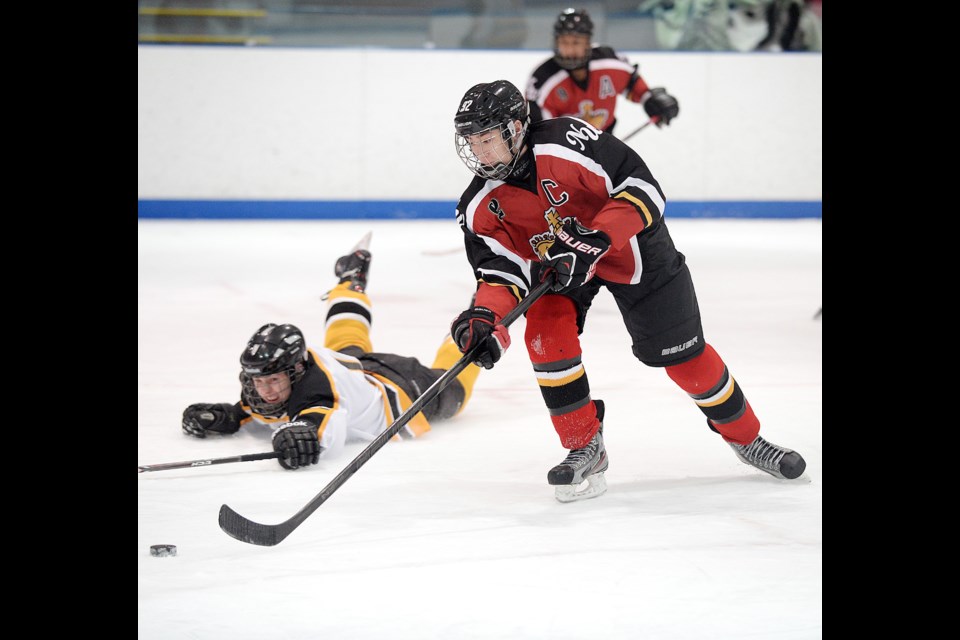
x,y
198,419
661,105
478,325
298,443
573,256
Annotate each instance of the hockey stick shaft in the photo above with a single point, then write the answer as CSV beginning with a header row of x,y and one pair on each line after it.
x,y
249,457
268,535
653,120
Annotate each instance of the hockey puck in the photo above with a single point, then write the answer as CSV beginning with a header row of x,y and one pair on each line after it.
x,y
163,550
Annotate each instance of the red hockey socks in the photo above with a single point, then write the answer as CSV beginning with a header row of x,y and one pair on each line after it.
x,y
707,381
553,344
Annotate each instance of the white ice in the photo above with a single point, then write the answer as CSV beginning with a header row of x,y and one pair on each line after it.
x,y
457,535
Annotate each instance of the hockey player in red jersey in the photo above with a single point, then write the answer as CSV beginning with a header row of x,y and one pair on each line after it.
x,y
584,81
561,199
316,400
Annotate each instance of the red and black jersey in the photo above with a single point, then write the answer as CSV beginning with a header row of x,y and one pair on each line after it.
x,y
555,93
573,170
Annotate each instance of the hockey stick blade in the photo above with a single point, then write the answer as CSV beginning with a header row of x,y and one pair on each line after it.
x,y
245,530
267,535
207,462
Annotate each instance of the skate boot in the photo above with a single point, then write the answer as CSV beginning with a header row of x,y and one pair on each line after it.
x,y
585,464
353,267
766,456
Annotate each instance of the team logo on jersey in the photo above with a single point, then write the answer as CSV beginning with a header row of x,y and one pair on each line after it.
x,y
596,117
541,242
552,216
495,209
578,133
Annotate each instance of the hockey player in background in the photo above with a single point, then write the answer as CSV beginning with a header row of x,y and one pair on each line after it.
x,y
583,81
562,199
316,400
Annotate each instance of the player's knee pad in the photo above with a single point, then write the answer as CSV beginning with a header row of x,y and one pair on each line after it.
x,y
552,333
699,374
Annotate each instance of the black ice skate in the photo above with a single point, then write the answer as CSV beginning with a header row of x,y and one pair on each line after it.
x,y
766,456
353,267
586,464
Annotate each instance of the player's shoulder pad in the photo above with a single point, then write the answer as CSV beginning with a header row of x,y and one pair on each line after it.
x,y
542,73
476,186
602,53
566,131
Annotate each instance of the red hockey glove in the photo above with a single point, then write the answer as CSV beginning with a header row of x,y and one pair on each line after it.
x,y
478,325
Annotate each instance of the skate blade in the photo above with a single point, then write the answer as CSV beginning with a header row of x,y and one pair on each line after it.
x,y
595,485
364,243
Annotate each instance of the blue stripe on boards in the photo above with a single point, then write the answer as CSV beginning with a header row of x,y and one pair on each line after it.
x,y
432,209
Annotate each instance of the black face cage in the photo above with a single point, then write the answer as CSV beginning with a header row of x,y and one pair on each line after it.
x,y
501,170
571,64
261,406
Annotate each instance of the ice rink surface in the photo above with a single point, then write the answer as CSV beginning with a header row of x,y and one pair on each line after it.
x,y
457,535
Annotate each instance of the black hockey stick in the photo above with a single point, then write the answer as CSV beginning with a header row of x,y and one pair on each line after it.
x,y
208,462
653,120
268,535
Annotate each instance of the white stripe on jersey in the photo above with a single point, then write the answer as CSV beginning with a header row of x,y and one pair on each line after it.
x,y
637,260
595,65
644,186
493,245
523,286
548,85
611,63
595,168
560,151
471,211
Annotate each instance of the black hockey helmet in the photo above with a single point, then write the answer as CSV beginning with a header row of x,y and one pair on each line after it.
x,y
572,21
486,106
272,349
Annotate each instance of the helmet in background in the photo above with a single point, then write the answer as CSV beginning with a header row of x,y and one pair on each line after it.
x,y
572,21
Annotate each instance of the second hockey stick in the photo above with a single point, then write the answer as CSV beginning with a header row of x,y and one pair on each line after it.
x,y
268,535
247,457
653,120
